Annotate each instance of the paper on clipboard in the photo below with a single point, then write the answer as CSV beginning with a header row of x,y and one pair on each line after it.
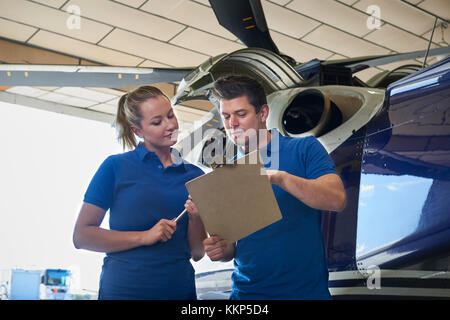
x,y
235,200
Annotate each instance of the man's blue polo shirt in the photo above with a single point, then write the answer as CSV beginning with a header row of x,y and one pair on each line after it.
x,y
286,260
139,192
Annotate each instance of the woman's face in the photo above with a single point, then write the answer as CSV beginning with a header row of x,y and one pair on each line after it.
x,y
159,126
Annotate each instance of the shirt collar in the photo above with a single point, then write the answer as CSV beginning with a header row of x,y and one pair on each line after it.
x,y
274,143
142,151
272,146
143,154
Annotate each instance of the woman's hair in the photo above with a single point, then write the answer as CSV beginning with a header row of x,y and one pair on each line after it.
x,y
129,113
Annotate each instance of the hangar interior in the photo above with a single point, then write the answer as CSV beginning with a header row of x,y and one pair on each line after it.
x,y
166,34
185,33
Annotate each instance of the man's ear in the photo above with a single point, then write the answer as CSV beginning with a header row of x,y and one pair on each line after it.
x,y
264,112
137,131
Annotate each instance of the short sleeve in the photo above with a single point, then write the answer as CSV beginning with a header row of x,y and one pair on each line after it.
x,y
101,188
317,160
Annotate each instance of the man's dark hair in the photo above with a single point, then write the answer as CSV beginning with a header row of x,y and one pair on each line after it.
x,y
232,87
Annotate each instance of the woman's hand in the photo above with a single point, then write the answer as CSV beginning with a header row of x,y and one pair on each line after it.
x,y
160,232
191,209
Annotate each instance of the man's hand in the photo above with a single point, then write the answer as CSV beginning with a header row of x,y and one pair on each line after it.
x,y
275,176
219,249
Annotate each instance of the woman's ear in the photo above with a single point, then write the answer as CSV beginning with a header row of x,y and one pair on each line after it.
x,y
137,131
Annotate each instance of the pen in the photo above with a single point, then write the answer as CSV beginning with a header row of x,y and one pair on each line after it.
x,y
180,215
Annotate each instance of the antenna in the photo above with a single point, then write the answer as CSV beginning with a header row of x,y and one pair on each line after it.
x,y
429,43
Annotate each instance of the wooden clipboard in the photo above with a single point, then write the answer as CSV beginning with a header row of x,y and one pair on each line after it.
x,y
235,200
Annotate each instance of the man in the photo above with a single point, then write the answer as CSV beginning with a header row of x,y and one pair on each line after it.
x,y
285,260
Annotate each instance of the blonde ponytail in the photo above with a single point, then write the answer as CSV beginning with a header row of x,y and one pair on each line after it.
x,y
123,126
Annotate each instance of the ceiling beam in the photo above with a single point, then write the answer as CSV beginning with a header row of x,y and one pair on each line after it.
x,y
13,52
426,11
56,107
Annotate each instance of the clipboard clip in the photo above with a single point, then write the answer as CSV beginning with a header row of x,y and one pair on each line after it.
x,y
216,165
231,163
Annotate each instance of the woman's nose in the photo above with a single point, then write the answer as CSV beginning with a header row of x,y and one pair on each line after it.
x,y
172,124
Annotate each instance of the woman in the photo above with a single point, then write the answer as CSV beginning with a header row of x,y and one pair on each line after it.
x,y
147,252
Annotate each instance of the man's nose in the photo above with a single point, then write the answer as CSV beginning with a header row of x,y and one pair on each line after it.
x,y
233,121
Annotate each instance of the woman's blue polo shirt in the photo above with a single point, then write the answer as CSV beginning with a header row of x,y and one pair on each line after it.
x,y
286,260
139,191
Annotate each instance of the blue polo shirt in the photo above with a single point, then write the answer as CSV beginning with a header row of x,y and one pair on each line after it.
x,y
286,260
139,191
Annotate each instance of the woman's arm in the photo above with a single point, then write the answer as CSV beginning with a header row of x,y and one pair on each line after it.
x,y
196,231
88,234
215,247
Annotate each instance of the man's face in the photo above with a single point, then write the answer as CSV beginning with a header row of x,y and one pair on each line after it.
x,y
241,121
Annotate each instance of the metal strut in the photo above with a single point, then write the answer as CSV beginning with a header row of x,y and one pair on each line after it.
x,y
429,43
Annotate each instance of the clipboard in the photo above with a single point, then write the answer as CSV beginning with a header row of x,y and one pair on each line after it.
x,y
236,199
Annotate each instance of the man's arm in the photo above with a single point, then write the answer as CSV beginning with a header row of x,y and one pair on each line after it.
x,y
324,193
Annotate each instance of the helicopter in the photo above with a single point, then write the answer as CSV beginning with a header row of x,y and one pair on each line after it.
x,y
389,138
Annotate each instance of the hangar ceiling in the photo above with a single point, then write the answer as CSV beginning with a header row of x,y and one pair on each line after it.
x,y
184,33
